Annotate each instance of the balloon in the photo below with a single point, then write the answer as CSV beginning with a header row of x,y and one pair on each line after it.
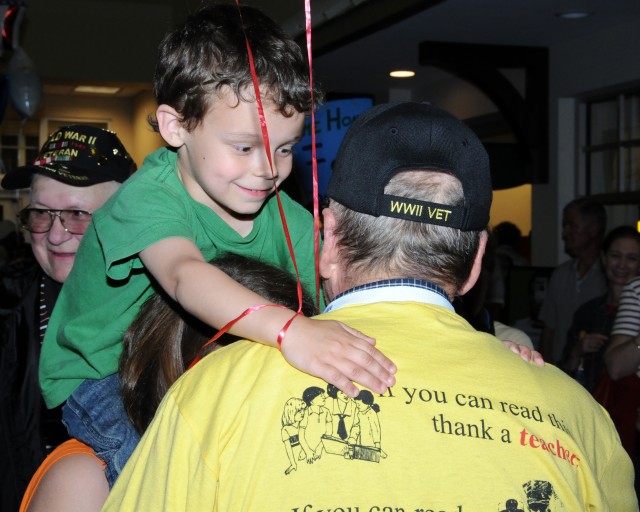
x,y
3,17
12,18
25,88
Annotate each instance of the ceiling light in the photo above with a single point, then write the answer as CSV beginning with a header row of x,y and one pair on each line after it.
x,y
402,73
91,89
574,15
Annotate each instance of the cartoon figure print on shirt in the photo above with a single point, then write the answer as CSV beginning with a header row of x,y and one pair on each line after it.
x,y
330,422
540,497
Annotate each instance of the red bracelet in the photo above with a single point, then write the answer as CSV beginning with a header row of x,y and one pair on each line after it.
x,y
284,330
231,323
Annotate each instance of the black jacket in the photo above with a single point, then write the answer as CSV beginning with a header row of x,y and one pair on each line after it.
x,y
593,316
22,443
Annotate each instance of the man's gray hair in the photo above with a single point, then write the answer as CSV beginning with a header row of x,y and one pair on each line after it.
x,y
395,248
590,211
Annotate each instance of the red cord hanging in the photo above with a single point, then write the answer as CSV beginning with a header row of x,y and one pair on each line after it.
x,y
316,212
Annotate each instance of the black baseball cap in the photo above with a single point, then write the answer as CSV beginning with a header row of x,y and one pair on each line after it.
x,y
77,155
394,137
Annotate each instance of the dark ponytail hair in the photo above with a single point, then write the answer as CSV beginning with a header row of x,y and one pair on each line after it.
x,y
617,233
366,397
163,339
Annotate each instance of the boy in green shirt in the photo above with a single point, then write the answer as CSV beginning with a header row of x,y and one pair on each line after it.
x,y
212,193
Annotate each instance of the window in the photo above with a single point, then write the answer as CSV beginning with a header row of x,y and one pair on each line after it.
x,y
19,143
612,150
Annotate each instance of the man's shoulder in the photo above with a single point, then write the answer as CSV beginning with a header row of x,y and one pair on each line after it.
x,y
233,357
563,275
565,268
233,376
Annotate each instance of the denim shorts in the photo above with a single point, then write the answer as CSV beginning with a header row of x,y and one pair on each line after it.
x,y
95,415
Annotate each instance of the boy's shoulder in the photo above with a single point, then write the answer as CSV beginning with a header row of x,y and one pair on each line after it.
x,y
157,165
159,168
153,181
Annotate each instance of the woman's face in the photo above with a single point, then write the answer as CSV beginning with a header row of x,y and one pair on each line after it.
x,y
622,261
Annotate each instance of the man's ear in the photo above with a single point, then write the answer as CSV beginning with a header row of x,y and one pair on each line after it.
x,y
329,253
170,125
477,265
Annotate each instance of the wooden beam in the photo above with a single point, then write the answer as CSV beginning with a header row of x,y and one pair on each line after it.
x,y
526,114
362,20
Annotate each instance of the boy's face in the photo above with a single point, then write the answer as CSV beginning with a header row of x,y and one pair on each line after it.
x,y
223,162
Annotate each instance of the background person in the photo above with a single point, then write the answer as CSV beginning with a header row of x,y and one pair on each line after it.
x,y
622,359
577,280
75,172
404,233
477,307
508,239
588,335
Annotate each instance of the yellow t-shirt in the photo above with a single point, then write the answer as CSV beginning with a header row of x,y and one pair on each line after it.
x,y
468,427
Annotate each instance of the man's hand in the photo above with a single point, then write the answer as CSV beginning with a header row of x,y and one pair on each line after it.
x,y
525,353
337,354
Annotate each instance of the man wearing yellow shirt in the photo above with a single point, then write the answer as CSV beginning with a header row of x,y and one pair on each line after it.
x,y
468,426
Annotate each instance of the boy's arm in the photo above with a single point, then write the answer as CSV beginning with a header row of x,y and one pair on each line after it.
x,y
326,349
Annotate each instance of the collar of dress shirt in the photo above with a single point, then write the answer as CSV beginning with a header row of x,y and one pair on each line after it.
x,y
392,290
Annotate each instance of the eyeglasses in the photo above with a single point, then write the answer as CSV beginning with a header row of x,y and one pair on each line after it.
x,y
38,220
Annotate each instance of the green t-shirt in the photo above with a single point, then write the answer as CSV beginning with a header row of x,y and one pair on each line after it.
x,y
108,283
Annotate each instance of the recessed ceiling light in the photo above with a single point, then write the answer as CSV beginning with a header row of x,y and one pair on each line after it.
x,y
91,89
402,73
574,15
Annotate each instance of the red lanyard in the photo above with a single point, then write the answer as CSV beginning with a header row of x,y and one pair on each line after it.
x,y
314,160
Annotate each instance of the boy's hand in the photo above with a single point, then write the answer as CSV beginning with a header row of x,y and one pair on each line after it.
x,y
337,354
525,353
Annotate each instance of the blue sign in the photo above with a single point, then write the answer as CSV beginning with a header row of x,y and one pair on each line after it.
x,y
332,121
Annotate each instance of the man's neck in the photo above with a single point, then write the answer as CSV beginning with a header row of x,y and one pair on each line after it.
x,y
585,261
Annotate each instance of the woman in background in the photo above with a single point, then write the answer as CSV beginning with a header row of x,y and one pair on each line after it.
x,y
588,336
